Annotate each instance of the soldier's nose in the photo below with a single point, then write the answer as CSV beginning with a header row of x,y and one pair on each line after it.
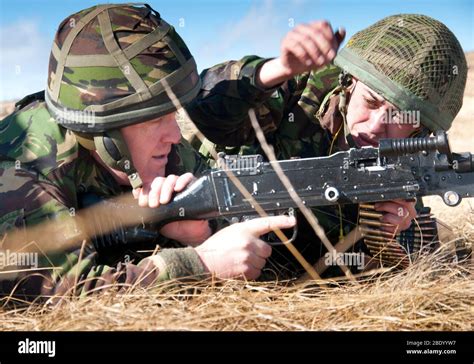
x,y
172,133
377,122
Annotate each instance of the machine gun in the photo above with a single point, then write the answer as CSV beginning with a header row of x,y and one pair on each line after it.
x,y
397,169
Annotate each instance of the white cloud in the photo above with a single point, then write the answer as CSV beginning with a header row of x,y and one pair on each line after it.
x,y
24,56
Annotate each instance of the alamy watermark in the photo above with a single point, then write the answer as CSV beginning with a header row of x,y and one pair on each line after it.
x,y
28,346
347,259
76,117
10,258
240,163
250,163
403,117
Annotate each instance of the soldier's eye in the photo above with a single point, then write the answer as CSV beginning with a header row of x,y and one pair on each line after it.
x,y
372,103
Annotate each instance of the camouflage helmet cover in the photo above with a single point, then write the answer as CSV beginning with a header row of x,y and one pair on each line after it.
x,y
114,62
413,61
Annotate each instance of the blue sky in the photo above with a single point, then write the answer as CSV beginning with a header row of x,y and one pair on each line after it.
x,y
214,30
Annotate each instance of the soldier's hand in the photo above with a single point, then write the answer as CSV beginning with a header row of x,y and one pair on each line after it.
x,y
399,213
190,232
237,251
161,189
309,46
306,47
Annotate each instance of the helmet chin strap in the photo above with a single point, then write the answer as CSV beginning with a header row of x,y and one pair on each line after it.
x,y
345,80
112,149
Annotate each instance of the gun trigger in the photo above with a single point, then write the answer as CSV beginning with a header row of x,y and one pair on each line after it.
x,y
293,237
291,212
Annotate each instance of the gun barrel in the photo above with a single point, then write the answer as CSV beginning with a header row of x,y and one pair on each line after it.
x,y
393,147
353,176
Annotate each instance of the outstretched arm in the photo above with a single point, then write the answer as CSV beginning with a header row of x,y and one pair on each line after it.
x,y
271,87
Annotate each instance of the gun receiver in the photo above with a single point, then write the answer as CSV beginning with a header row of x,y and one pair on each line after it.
x,y
397,169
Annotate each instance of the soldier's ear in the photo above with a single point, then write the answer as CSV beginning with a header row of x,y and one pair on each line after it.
x,y
113,150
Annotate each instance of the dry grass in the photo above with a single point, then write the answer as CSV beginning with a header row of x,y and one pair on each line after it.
x,y
430,295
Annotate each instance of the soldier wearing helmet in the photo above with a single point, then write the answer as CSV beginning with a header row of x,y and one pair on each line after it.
x,y
401,77
104,126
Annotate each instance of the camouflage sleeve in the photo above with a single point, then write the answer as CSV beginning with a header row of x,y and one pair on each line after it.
x,y
228,91
27,201
184,158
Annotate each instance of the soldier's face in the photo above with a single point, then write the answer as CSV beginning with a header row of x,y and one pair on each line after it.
x,y
150,143
370,117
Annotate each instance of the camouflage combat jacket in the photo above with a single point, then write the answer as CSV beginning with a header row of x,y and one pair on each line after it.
x,y
43,173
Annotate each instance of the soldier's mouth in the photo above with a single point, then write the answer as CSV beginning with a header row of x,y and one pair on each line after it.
x,y
162,156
